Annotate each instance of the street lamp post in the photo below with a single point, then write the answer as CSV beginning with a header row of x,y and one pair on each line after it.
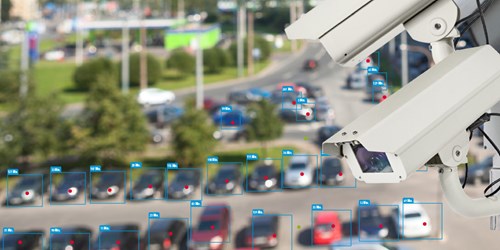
x,y
125,58
199,66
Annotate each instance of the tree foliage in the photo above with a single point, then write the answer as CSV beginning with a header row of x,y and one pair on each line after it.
x,y
182,61
88,73
32,128
215,59
266,124
192,136
154,69
112,124
9,84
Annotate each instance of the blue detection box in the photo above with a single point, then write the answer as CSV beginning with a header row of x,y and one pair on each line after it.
x,y
183,184
67,188
70,238
328,229
375,222
333,173
223,178
24,190
12,239
266,176
161,230
261,222
107,187
146,183
212,219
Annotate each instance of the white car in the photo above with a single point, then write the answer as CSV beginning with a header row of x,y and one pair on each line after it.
x,y
154,96
416,223
300,172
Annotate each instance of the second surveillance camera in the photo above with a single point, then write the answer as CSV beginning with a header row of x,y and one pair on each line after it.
x,y
423,123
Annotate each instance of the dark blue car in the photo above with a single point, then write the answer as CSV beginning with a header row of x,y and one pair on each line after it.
x,y
371,222
235,118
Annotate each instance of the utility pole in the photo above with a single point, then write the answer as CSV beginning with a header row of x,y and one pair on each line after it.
x,y
293,18
241,20
23,86
199,70
181,14
125,57
404,58
79,35
251,37
143,59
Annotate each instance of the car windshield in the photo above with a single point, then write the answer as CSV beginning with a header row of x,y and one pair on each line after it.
x,y
262,228
110,178
109,239
263,171
297,166
412,215
184,176
29,181
369,214
324,227
226,174
331,167
208,225
148,179
11,241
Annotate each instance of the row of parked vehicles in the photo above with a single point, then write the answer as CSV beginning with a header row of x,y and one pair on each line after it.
x,y
302,171
213,230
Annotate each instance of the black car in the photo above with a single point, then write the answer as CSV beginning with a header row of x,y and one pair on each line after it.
x,y
479,172
76,238
29,189
312,90
265,232
148,185
32,240
264,177
371,222
331,172
166,234
310,65
108,185
71,186
326,132
225,181
119,237
183,185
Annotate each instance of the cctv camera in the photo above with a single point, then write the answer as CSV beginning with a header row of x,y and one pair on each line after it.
x,y
423,123
352,30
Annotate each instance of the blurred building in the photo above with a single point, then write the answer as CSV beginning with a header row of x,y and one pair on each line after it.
x,y
24,9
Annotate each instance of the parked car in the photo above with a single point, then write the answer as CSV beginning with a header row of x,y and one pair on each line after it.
x,y
226,181
75,238
300,172
264,177
24,240
331,172
292,113
248,96
371,222
184,184
376,93
164,115
71,186
297,89
148,185
154,96
327,228
312,91
324,110
265,232
211,105
29,189
357,80
416,223
120,237
165,234
325,132
108,185
479,173
213,228
236,118
310,65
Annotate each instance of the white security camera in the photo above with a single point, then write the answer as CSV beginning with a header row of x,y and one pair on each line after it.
x,y
425,123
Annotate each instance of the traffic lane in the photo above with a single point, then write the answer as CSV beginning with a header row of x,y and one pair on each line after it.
x,y
290,70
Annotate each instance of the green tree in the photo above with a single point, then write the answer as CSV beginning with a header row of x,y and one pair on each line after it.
x,y
6,6
154,69
112,124
215,59
266,124
193,136
181,61
9,84
88,73
31,129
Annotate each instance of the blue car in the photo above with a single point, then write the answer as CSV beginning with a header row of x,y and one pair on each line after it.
x,y
371,222
236,118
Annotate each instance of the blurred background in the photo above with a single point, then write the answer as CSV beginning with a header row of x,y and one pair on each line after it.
x,y
196,124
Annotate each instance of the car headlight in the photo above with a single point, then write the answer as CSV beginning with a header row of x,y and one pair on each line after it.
x,y
215,242
383,233
28,194
229,185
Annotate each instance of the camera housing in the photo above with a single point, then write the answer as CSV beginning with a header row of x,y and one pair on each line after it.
x,y
423,123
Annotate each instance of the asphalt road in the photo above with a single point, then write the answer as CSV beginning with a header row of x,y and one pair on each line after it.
x,y
459,232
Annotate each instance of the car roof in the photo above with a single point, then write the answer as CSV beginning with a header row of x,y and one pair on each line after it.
x,y
127,226
326,217
264,219
299,159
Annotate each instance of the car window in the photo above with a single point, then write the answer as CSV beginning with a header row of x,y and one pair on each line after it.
x,y
412,215
298,166
207,225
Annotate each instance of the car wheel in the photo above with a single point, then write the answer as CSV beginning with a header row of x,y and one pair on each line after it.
x,y
157,138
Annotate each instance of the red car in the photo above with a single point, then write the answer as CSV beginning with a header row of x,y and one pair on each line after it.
x,y
327,228
213,228
296,88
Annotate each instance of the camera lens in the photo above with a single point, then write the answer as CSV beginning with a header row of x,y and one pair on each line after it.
x,y
372,162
